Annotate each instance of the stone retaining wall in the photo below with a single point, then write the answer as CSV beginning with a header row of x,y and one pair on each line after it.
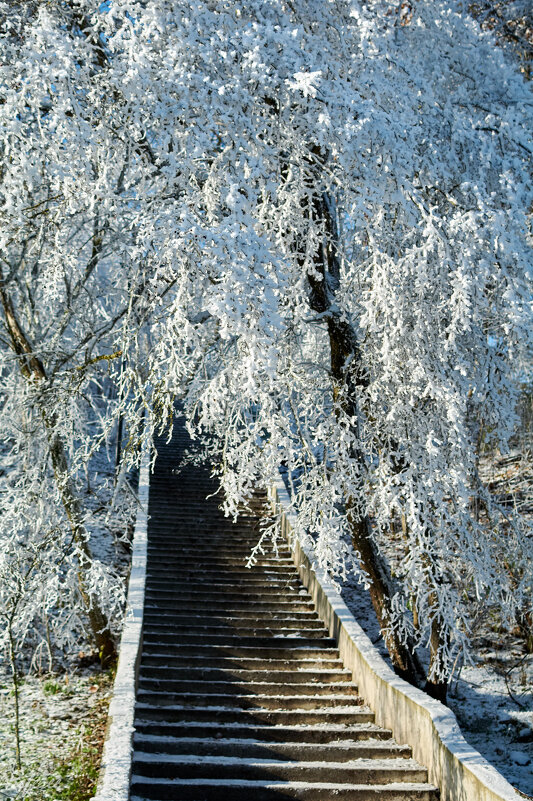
x,y
429,727
115,770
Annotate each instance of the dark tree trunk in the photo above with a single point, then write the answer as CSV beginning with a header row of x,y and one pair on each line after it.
x,y
344,350
33,369
436,688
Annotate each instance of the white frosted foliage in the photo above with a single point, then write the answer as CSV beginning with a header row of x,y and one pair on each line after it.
x,y
308,220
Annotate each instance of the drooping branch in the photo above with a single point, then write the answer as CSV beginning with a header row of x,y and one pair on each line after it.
x,y
33,370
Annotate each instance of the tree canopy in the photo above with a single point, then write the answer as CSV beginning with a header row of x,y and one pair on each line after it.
x,y
317,215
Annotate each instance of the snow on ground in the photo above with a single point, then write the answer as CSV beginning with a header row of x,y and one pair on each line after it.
x,y
55,713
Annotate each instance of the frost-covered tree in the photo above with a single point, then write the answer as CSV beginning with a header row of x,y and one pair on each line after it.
x,y
69,295
321,211
342,204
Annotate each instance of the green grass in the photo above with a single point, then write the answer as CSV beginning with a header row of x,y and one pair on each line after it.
x,y
64,769
77,774
51,687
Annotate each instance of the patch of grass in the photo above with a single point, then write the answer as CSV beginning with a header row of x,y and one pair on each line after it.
x,y
78,773
51,687
70,772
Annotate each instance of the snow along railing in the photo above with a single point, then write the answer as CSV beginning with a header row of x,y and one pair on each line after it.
x,y
115,769
429,727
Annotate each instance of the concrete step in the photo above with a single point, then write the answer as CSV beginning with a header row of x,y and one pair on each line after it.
x,y
306,678
269,584
247,530
244,661
277,598
217,559
186,582
224,577
228,549
175,631
237,570
357,771
235,594
174,510
237,566
251,730
246,637
228,714
241,557
247,790
254,749
169,537
165,571
257,586
242,616
178,632
271,648
195,604
229,546
159,616
241,586
268,615
233,699
166,519
208,687
221,551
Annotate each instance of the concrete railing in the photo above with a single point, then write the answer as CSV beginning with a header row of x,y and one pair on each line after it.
x,y
115,770
428,726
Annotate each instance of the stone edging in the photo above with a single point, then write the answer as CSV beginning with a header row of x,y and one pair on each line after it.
x,y
115,770
429,727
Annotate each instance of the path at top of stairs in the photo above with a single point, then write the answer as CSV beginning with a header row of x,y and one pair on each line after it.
x,y
242,695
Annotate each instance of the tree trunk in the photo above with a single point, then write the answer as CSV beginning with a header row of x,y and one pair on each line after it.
x,y
98,621
406,663
33,369
120,424
403,656
344,350
15,681
436,688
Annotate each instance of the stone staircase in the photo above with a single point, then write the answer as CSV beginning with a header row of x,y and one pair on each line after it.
x,y
242,695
